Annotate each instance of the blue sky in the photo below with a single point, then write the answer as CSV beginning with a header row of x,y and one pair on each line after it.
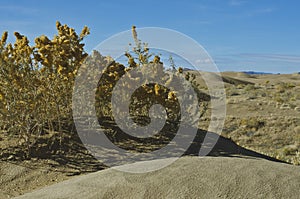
x,y
260,35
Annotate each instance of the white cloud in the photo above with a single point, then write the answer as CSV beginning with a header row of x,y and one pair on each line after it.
x,y
260,11
273,57
15,23
203,61
18,9
237,2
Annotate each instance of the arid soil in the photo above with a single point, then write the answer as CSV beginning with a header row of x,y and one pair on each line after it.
x,y
263,115
188,177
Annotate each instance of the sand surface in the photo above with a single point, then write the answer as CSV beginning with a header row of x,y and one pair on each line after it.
x,y
188,177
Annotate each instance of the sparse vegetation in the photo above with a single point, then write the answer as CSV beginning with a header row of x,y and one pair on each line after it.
x,y
296,158
252,123
37,84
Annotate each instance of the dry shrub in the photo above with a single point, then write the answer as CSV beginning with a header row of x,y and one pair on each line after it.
x,y
252,123
36,83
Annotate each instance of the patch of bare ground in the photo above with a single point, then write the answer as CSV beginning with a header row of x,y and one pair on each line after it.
x,y
263,117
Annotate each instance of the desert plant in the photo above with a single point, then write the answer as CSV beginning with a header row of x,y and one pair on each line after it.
x,y
296,158
36,82
249,87
252,123
143,64
283,87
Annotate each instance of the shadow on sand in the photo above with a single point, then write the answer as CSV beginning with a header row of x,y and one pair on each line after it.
x,y
224,147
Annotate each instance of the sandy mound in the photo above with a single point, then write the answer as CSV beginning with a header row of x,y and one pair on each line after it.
x,y
188,177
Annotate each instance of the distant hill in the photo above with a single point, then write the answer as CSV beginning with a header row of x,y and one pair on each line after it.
x,y
256,73
235,81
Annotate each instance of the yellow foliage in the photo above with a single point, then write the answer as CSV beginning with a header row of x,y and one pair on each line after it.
x,y
180,70
60,69
172,95
4,38
36,80
156,89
